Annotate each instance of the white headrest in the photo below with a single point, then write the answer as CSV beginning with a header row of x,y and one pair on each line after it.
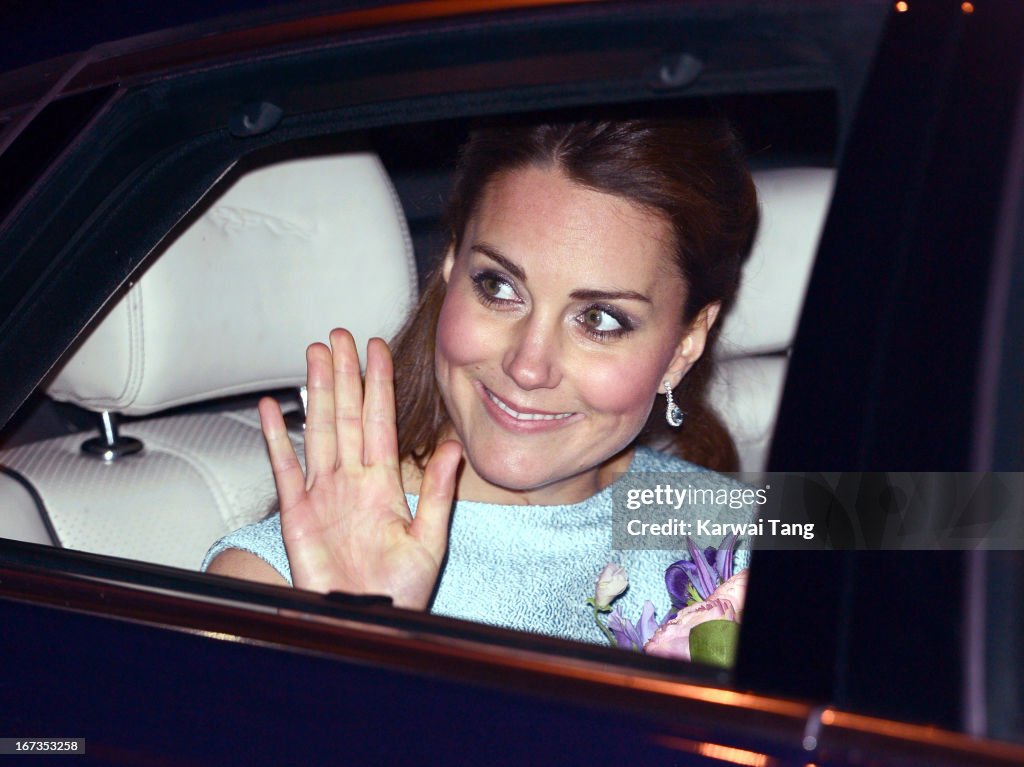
x,y
287,253
793,206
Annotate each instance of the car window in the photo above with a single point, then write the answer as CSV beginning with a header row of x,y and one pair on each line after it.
x,y
106,416
151,411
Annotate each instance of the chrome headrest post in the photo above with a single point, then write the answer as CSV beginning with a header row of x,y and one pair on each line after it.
x,y
110,445
295,420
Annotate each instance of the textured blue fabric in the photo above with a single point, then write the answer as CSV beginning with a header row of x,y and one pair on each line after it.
x,y
528,568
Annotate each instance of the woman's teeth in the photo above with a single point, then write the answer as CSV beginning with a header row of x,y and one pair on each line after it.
x,y
526,416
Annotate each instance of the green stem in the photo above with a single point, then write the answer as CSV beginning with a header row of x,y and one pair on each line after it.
x,y
607,631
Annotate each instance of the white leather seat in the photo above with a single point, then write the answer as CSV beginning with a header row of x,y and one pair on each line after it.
x,y
758,333
209,320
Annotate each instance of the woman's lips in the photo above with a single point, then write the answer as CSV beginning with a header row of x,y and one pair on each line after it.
x,y
507,415
532,415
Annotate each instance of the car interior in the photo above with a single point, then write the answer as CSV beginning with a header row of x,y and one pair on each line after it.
x,y
146,444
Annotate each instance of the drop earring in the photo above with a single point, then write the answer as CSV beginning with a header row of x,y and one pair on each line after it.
x,y
673,415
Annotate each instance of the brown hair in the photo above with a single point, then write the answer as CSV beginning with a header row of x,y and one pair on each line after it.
x,y
691,172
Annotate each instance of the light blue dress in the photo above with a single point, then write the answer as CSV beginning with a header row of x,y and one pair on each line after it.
x,y
529,568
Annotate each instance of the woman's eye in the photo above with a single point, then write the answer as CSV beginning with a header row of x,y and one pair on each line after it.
x,y
602,323
492,287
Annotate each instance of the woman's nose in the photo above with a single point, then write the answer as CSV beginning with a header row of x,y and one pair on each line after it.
x,y
532,357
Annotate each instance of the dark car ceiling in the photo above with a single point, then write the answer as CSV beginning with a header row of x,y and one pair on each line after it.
x,y
45,29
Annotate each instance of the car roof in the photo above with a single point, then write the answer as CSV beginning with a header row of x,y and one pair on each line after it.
x,y
114,46
41,31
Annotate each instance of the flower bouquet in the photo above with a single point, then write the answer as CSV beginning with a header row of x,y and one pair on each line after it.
x,y
707,604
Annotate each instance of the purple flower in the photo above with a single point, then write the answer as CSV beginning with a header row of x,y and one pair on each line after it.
x,y
628,636
704,571
724,557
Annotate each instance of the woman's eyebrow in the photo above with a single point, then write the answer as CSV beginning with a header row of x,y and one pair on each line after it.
x,y
584,294
495,255
608,295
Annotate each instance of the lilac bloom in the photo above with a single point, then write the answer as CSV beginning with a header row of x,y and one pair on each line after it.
x,y
623,631
705,570
628,636
707,579
709,555
647,624
677,581
724,556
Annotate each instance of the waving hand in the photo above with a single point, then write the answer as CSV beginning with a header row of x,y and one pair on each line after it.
x,y
346,523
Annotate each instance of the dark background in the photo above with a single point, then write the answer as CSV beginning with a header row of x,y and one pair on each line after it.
x,y
36,30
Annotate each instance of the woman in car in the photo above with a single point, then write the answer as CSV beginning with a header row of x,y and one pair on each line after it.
x,y
588,265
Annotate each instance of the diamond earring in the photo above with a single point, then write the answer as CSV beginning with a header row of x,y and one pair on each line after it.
x,y
673,415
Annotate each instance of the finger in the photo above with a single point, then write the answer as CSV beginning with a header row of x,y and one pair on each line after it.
x,y
288,476
437,491
348,398
380,432
320,434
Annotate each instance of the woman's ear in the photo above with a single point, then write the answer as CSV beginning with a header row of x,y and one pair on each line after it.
x,y
449,262
691,344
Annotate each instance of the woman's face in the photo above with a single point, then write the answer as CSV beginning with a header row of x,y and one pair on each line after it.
x,y
561,321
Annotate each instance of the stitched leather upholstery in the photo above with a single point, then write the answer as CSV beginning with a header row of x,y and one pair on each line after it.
x,y
284,255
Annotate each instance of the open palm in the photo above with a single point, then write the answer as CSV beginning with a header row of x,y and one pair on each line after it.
x,y
345,521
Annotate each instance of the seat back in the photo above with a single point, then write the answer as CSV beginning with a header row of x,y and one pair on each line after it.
x,y
285,254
